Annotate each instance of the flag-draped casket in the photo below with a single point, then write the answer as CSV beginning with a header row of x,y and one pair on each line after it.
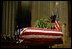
x,y
41,36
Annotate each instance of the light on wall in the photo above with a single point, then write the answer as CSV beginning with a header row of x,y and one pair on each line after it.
x,y
57,3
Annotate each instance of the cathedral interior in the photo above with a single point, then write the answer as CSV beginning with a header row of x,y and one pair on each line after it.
x,y
25,13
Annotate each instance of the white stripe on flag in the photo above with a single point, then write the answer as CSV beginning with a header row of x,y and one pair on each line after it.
x,y
57,26
42,31
23,30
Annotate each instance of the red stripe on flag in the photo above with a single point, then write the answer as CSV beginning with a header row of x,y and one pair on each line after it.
x,y
57,26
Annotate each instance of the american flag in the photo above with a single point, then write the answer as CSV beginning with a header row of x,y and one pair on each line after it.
x,y
41,35
57,24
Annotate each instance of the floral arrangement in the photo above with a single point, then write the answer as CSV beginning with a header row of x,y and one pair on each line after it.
x,y
44,23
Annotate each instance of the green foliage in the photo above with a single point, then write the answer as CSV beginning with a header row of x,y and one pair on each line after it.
x,y
44,23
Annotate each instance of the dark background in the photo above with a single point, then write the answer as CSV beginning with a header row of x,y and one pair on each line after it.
x,y
23,18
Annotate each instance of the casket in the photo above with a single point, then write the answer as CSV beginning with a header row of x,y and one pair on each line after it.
x,y
40,36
